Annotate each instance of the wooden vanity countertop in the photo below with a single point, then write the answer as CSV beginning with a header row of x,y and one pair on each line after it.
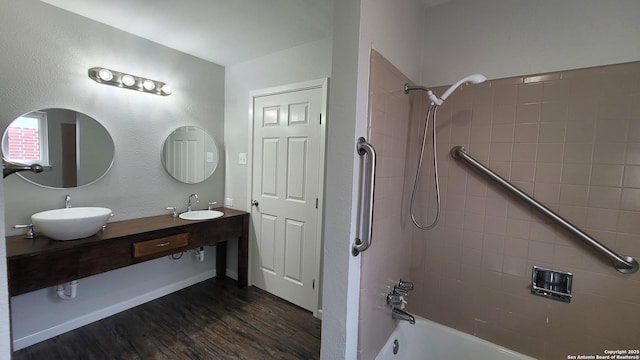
x,y
18,246
38,263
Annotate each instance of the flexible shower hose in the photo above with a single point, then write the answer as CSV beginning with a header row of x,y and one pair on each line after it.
x,y
433,108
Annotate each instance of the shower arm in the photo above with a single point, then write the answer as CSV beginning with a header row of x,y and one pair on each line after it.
x,y
434,99
624,264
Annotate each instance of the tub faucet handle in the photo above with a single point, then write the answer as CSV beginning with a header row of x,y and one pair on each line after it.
x,y
400,291
405,285
395,299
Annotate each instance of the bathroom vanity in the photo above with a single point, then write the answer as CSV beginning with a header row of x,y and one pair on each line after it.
x,y
38,263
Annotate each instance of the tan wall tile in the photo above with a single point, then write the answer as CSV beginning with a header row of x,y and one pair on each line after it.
x,y
572,140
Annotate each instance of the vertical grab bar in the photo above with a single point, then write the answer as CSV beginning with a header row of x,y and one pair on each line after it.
x,y
365,197
624,264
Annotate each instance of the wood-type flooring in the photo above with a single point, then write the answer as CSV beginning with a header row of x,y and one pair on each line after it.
x,y
211,320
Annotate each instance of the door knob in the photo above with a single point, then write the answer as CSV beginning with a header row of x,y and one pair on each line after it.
x,y
254,203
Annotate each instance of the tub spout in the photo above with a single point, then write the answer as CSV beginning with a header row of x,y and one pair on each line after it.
x,y
402,315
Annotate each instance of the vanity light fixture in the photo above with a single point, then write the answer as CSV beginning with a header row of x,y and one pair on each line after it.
x,y
126,81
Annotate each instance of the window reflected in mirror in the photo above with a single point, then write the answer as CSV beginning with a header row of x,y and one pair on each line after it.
x,y
25,141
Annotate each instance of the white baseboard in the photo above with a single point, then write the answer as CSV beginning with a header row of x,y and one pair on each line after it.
x,y
72,324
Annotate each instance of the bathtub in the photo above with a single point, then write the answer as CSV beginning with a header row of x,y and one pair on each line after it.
x,y
427,340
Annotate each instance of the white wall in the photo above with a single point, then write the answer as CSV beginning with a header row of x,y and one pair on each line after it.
x,y
394,29
503,38
45,53
305,62
341,271
5,334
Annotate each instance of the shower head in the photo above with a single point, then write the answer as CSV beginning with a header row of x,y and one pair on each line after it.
x,y
472,79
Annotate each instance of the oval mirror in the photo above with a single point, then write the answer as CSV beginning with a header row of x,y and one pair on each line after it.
x,y
190,154
73,148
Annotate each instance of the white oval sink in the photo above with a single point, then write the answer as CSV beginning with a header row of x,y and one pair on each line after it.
x,y
201,215
71,223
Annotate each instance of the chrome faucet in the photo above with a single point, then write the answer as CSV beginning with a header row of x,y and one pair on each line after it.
x,y
195,196
402,315
67,201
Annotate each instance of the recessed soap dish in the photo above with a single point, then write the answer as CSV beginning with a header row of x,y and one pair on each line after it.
x,y
553,284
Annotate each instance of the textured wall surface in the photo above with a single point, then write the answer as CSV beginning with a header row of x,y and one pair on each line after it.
x,y
5,332
571,140
305,62
45,53
504,38
340,273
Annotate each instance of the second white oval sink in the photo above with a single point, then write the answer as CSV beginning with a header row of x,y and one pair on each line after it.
x,y
201,215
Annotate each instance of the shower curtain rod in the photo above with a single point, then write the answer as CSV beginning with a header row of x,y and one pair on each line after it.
x,y
624,264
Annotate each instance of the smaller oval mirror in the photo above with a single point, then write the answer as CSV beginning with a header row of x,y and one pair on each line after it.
x,y
73,148
190,154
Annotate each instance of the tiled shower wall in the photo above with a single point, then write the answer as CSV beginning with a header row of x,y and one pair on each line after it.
x,y
392,117
571,140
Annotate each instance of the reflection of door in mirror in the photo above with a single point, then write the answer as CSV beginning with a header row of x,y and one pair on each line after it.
x,y
185,154
69,155
95,149
190,154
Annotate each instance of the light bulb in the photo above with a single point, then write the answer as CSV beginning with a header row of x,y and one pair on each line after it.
x,y
166,89
105,75
149,85
128,80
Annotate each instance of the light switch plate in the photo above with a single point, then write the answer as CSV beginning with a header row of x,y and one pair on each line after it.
x,y
242,158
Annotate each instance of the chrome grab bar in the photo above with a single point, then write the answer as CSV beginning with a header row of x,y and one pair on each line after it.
x,y
624,264
365,199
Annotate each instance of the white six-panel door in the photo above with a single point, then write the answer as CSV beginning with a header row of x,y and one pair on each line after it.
x,y
287,168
